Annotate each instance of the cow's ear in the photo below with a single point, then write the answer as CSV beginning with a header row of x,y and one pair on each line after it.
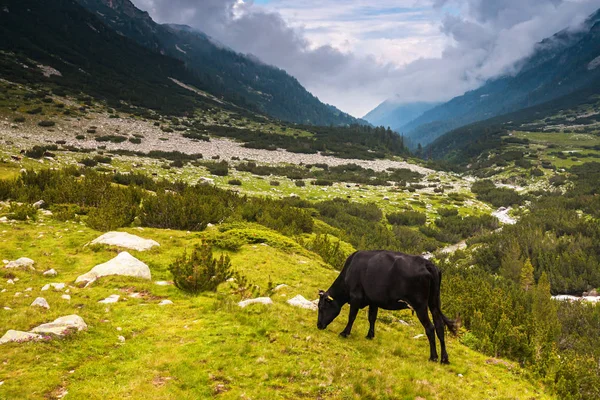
x,y
321,293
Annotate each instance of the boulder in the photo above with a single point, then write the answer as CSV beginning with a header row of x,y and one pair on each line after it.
x,y
258,300
279,287
19,336
39,204
62,326
55,286
40,302
22,262
113,298
50,272
126,240
300,301
165,302
124,264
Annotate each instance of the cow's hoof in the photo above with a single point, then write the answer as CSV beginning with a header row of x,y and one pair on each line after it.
x,y
445,361
370,337
433,359
344,334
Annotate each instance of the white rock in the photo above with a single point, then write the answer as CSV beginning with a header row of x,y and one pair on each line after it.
x,y
19,336
65,297
22,262
63,325
300,301
419,336
113,298
502,215
121,339
165,302
162,283
10,282
124,264
402,322
50,272
55,286
258,300
46,213
39,204
126,240
28,289
7,308
279,287
40,302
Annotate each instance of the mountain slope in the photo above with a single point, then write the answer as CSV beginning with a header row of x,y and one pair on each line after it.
x,y
236,77
577,112
560,65
67,48
395,115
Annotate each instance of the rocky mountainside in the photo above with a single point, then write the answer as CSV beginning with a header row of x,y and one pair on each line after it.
x,y
227,74
396,115
561,65
66,49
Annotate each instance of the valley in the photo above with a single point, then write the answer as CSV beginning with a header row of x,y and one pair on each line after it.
x,y
233,195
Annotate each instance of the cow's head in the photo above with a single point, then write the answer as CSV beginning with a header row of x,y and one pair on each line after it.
x,y
328,309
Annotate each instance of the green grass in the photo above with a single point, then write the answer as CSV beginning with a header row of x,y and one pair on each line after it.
x,y
206,346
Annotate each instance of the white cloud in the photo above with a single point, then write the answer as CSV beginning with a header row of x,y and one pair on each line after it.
x,y
356,53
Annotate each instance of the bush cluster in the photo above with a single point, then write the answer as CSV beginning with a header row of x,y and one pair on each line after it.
x,y
200,271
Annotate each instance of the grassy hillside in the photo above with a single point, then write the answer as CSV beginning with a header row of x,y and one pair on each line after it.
x,y
207,346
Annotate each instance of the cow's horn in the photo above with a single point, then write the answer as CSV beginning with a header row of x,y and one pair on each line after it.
x,y
329,298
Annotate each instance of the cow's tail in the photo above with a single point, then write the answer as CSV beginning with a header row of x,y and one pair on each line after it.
x,y
435,303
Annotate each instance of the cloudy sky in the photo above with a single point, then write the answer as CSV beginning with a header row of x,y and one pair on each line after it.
x,y
356,53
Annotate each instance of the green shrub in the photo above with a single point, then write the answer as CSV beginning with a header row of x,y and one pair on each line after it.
x,y
135,140
274,183
80,137
412,218
235,182
39,151
22,212
89,162
177,164
300,183
328,248
217,168
117,208
322,182
200,271
447,212
111,138
19,119
46,123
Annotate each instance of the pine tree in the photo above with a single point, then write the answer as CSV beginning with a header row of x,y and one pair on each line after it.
x,y
546,325
527,280
511,264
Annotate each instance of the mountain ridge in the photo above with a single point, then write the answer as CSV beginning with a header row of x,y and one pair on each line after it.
x,y
559,66
227,73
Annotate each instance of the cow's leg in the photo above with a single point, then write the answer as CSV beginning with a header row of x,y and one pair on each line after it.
x,y
423,315
351,318
439,329
372,318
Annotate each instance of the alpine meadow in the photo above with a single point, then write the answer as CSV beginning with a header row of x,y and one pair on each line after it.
x,y
183,215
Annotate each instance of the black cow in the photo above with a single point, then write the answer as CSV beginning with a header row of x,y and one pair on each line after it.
x,y
392,281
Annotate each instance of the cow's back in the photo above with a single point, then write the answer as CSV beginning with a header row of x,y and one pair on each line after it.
x,y
385,277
